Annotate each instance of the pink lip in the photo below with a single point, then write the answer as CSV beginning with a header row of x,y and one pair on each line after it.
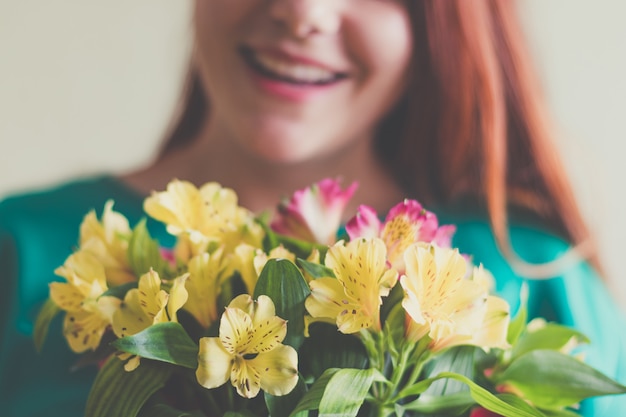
x,y
288,91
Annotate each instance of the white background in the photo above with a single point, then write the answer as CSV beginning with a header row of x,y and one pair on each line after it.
x,y
89,86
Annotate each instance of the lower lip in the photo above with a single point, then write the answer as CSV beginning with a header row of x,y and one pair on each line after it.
x,y
288,91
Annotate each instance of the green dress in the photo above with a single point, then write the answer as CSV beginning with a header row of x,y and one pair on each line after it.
x,y
39,230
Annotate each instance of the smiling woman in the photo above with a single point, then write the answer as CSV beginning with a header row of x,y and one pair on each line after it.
x,y
411,99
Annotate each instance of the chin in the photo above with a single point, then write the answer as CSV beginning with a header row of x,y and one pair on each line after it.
x,y
284,146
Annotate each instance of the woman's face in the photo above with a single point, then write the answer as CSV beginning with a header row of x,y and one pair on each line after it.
x,y
295,80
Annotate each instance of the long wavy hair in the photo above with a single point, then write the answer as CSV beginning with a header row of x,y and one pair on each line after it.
x,y
472,124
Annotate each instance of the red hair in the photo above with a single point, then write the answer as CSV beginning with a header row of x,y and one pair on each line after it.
x,y
471,124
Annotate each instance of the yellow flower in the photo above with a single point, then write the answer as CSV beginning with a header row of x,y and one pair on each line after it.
x,y
107,241
248,350
446,305
363,277
88,313
206,276
148,304
205,215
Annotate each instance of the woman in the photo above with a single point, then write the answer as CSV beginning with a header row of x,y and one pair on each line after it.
x,y
428,99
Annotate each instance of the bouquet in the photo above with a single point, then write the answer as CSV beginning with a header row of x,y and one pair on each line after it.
x,y
296,315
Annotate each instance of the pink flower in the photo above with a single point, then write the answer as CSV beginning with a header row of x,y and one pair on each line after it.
x,y
314,213
406,223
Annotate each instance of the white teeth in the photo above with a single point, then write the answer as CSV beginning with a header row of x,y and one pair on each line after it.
x,y
297,72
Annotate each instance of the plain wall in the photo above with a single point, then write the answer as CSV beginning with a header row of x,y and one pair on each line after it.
x,y
87,87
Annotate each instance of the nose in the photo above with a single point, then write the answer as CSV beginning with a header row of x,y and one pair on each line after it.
x,y
303,18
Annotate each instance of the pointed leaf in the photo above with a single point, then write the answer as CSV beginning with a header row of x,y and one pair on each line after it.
x,y
164,410
312,398
347,390
120,290
553,336
282,281
459,360
550,379
48,311
116,392
340,351
452,404
315,270
144,253
483,397
517,325
165,342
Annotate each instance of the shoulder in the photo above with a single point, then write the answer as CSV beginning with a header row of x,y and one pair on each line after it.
x,y
39,229
60,201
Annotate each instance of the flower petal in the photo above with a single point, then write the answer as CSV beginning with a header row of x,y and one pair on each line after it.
x,y
245,378
278,369
235,330
152,298
66,296
213,363
178,296
84,329
130,318
204,286
327,298
365,224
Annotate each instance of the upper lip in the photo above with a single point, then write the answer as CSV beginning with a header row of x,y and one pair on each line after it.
x,y
289,56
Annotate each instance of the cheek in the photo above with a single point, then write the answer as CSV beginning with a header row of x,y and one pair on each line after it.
x,y
381,41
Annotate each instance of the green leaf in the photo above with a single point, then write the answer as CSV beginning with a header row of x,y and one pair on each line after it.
x,y
315,270
478,393
460,360
301,248
339,351
120,290
244,413
452,404
282,406
48,311
346,391
517,325
282,281
165,342
550,379
144,253
394,332
164,410
116,392
553,336
561,413
312,398
339,392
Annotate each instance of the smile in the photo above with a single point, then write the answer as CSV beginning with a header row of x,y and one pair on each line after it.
x,y
295,73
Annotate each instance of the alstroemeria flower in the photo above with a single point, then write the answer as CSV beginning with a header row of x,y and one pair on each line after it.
x,y
107,240
148,304
354,297
445,304
205,215
88,313
206,276
406,223
314,213
248,350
